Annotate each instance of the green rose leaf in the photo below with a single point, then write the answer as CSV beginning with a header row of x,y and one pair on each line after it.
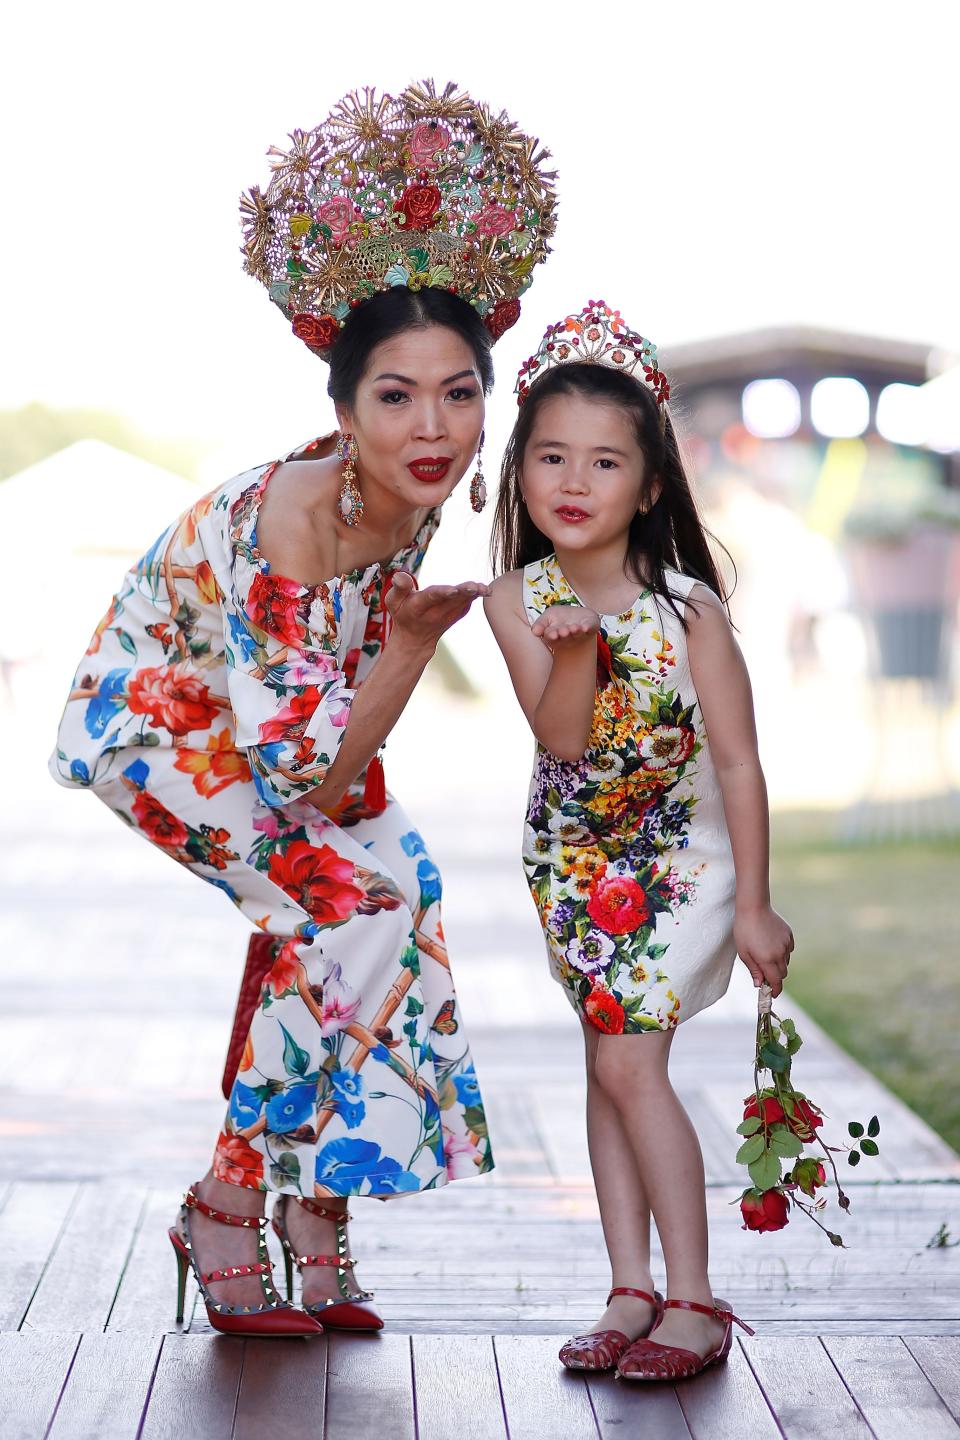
x,y
783,1142
869,1147
854,1129
765,1172
750,1126
854,1157
873,1129
774,1057
751,1150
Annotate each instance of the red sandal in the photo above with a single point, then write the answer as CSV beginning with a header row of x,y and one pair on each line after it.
x,y
275,1317
647,1360
352,1312
601,1349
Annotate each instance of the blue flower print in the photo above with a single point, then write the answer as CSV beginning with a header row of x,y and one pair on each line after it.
x,y
291,1108
79,772
467,1087
347,1091
138,773
428,876
109,700
345,1165
412,844
245,1105
241,636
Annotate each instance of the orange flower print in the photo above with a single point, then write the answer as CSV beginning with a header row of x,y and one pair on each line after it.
x,y
246,1059
237,1163
207,584
104,624
213,769
173,697
282,975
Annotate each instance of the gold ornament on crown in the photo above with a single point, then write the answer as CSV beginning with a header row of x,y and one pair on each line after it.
x,y
430,189
597,336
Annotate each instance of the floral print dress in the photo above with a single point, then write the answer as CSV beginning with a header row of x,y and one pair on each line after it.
x,y
211,700
626,852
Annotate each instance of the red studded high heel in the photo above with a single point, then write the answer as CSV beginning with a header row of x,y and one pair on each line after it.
x,y
352,1312
601,1349
275,1317
647,1360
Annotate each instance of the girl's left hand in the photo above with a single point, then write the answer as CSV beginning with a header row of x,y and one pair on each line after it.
x,y
764,943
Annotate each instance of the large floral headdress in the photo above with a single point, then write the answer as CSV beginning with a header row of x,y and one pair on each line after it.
x,y
425,190
597,336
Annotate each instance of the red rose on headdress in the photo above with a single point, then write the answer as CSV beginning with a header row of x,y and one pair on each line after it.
x,y
317,332
426,142
504,314
158,823
495,220
419,204
336,214
173,697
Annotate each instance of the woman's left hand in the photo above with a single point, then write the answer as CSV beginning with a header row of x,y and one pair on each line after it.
x,y
764,943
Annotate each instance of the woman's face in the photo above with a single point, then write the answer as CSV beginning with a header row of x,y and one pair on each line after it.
x,y
417,416
583,476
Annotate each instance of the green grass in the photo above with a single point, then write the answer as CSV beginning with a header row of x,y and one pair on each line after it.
x,y
877,928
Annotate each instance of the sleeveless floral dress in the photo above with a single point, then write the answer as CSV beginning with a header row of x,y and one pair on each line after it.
x,y
211,700
626,852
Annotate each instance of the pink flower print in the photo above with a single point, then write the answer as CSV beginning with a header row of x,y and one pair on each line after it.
x,y
339,1008
310,671
336,213
426,143
339,717
455,1146
495,220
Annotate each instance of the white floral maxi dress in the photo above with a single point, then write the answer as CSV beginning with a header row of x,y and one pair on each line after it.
x,y
212,698
626,852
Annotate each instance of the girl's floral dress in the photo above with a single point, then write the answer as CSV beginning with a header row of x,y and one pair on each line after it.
x,y
211,700
626,852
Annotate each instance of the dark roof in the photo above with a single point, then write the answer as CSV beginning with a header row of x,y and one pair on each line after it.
x,y
792,350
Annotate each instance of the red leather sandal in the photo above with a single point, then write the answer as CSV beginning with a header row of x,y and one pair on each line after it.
x,y
352,1312
601,1349
647,1360
275,1317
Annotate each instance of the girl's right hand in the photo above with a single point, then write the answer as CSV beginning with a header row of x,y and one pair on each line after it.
x,y
560,623
420,617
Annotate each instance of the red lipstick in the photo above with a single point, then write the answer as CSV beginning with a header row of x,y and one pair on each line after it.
x,y
429,467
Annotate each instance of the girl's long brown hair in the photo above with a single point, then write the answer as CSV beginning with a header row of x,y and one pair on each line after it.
x,y
671,535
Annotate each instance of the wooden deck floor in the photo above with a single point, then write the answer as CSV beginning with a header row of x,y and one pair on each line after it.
x,y
108,1105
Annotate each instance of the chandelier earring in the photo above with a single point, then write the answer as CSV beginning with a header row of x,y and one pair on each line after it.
x,y
350,504
478,486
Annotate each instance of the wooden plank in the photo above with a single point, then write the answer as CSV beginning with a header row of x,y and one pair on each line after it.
x,y
456,1376
519,1146
30,1223
369,1387
623,1409
890,1388
146,1299
282,1389
803,1388
107,1391
726,1403
939,1358
77,1289
194,1393
33,1369
541,1399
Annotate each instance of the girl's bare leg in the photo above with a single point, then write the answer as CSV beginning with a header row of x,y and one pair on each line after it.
x,y
624,1209
631,1071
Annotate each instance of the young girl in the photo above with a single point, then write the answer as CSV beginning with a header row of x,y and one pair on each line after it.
x,y
646,845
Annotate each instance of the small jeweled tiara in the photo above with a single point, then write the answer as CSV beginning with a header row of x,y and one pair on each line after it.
x,y
597,336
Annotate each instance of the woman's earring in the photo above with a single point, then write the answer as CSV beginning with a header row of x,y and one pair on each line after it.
x,y
351,501
478,486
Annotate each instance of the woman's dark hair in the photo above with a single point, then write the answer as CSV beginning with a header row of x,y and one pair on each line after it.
x,y
670,535
390,313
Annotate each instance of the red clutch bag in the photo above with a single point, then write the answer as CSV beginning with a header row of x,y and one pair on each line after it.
x,y
261,953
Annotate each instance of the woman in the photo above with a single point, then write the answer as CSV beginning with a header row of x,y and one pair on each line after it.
x,y
233,700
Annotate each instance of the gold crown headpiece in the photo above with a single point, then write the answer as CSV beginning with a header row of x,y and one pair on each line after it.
x,y
597,336
425,190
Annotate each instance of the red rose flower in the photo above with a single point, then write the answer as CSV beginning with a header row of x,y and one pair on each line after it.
x,y
764,1209
158,823
173,697
604,663
419,205
318,879
604,1012
273,604
617,905
504,314
318,332
805,1119
236,1162
772,1110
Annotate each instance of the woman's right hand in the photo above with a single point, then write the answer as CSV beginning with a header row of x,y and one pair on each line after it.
x,y
420,617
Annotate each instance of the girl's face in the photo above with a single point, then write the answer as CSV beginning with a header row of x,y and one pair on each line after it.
x,y
417,416
584,475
